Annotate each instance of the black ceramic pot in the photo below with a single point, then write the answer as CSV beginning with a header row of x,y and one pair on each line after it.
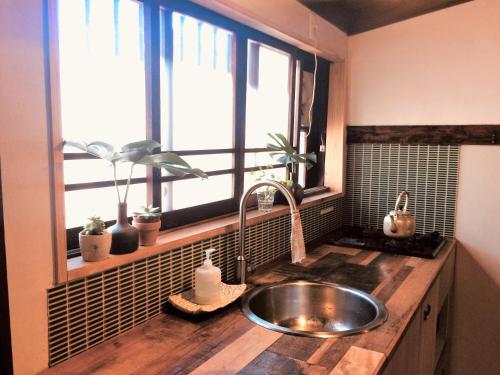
x,y
296,190
125,238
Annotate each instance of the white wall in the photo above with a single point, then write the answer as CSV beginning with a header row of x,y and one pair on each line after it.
x,y
477,298
438,69
25,180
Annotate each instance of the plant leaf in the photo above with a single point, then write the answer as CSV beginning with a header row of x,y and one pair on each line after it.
x,y
285,159
168,158
82,146
147,144
99,149
199,173
273,147
178,172
288,147
134,156
181,172
311,156
102,150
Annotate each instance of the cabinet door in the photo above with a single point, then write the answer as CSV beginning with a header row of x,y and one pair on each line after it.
x,y
406,358
428,318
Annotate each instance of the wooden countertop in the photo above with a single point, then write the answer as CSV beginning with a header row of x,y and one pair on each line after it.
x,y
227,342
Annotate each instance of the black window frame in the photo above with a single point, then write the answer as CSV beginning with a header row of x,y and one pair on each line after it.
x,y
154,179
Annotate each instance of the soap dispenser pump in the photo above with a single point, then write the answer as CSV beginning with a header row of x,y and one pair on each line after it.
x,y
207,280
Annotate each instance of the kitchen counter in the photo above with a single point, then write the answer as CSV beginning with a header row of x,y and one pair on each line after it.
x,y
227,342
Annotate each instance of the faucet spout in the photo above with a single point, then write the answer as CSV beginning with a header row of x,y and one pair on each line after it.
x,y
241,261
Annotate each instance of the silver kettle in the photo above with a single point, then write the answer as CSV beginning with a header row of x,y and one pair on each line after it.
x,y
400,223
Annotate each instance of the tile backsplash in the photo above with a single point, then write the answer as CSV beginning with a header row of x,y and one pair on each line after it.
x,y
85,312
376,173
90,310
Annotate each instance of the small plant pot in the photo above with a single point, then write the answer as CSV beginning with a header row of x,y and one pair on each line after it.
x,y
297,192
95,247
265,200
148,229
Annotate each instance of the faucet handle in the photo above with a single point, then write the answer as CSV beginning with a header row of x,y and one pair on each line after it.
x,y
250,266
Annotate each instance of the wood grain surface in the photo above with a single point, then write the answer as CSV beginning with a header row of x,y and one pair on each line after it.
x,y
226,342
426,134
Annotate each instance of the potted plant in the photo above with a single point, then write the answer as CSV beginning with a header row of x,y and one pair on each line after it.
x,y
125,236
95,240
265,194
147,222
283,152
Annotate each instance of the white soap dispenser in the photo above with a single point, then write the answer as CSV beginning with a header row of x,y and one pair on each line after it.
x,y
207,279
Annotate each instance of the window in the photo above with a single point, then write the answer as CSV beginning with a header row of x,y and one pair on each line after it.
x,y
202,85
103,97
197,109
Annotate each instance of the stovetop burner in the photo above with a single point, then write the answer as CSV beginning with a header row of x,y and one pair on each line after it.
x,y
420,245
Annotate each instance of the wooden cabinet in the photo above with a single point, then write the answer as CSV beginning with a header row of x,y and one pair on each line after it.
x,y
407,356
428,313
422,349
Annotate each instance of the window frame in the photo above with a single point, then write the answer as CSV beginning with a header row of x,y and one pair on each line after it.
x,y
242,35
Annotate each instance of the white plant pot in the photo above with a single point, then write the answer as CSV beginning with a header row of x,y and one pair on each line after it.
x,y
95,247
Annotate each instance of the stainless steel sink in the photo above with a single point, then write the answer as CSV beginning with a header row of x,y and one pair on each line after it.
x,y
313,309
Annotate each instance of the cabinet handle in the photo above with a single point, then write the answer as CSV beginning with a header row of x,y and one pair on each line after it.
x,y
427,312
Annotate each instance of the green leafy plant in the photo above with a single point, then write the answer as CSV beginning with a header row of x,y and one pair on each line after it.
x,y
134,153
283,152
95,226
263,174
148,213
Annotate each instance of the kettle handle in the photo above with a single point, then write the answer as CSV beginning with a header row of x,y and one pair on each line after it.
x,y
407,197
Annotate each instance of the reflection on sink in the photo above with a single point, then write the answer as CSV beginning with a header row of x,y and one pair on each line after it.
x,y
314,309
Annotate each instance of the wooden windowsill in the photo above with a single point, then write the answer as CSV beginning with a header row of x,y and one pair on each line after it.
x,y
178,237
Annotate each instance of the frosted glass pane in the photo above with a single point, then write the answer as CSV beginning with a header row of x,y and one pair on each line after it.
x,y
193,192
268,94
256,159
81,204
78,171
202,99
102,79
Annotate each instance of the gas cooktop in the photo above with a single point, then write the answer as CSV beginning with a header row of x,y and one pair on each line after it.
x,y
420,245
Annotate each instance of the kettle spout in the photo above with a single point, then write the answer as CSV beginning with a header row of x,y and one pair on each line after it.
x,y
393,227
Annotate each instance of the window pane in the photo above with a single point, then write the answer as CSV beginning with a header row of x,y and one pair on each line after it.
x,y
102,85
193,192
101,46
256,159
92,170
271,174
202,87
81,204
268,94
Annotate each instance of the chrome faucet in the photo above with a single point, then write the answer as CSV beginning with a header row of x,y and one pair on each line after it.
x,y
241,261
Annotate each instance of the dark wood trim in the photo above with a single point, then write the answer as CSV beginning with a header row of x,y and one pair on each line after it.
x,y
189,176
134,181
354,17
84,156
254,169
240,56
102,184
315,176
153,99
6,365
194,214
426,134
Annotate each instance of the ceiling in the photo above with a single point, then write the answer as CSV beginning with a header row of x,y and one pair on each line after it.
x,y
356,16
